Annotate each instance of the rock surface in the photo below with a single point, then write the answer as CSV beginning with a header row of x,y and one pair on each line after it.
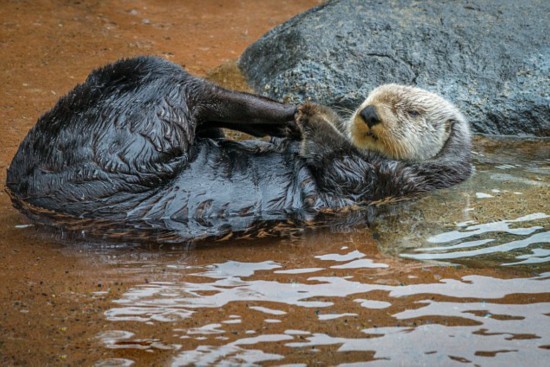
x,y
491,58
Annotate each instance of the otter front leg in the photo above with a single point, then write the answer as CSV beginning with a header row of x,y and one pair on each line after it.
x,y
252,114
320,137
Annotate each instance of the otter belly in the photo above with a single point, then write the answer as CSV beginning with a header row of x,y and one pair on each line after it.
x,y
229,188
226,188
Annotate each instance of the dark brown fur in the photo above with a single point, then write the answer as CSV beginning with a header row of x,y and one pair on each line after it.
x,y
129,154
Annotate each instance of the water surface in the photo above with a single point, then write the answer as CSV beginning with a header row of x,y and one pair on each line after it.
x,y
457,277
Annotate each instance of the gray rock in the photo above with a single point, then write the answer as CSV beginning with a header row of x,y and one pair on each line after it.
x,y
491,58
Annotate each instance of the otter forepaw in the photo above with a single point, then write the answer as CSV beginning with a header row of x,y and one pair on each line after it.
x,y
307,110
308,117
320,137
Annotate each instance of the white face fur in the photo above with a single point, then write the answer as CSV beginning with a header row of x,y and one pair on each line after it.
x,y
412,124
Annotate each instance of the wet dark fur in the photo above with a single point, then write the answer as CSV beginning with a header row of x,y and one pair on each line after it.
x,y
129,153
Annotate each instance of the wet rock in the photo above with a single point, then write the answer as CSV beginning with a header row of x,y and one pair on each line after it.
x,y
492,58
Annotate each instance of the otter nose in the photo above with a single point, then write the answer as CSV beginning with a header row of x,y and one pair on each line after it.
x,y
370,116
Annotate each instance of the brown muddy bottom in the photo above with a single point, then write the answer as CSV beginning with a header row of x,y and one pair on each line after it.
x,y
458,277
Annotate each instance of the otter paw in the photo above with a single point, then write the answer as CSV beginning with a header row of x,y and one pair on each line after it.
x,y
309,116
307,110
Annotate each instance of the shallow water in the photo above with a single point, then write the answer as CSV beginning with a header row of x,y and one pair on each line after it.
x,y
460,276
457,277
500,217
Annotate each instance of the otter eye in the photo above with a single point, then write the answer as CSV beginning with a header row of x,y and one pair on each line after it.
x,y
413,113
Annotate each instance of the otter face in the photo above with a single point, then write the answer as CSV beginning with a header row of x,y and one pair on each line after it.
x,y
403,122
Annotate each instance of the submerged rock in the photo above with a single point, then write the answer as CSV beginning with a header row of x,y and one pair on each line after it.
x,y
492,58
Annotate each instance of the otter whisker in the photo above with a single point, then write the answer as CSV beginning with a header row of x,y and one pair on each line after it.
x,y
343,110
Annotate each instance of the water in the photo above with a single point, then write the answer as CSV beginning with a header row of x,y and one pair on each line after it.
x,y
264,317
457,277
499,217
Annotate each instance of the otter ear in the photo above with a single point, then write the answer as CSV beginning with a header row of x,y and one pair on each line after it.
x,y
451,122
449,125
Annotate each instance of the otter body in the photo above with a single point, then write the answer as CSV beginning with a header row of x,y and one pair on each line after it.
x,y
131,150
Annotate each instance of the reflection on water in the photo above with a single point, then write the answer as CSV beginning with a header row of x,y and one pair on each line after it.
x,y
499,217
471,322
482,247
352,297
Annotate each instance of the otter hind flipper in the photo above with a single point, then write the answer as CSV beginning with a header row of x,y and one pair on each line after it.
x,y
252,114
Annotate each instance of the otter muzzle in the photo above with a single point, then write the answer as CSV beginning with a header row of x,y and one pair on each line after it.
x,y
370,116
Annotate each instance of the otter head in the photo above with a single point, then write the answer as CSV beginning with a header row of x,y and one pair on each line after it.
x,y
406,123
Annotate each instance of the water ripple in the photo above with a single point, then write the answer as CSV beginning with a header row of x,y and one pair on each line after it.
x,y
481,247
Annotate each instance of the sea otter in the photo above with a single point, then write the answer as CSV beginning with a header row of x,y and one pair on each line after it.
x,y
137,151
